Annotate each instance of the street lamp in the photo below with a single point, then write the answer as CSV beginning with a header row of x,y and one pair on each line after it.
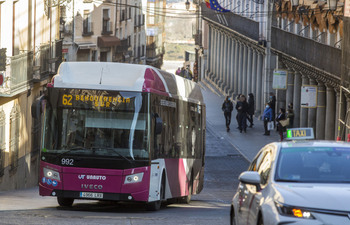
x,y
332,4
294,2
187,3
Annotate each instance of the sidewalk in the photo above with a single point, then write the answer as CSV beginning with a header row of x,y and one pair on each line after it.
x,y
248,144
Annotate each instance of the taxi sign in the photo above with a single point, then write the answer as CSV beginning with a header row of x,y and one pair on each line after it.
x,y
300,133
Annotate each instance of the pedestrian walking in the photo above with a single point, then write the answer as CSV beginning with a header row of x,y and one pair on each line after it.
x,y
178,71
267,117
251,109
227,108
237,101
182,72
188,73
290,115
242,109
280,127
272,103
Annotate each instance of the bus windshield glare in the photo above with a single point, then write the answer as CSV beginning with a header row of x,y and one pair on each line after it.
x,y
96,123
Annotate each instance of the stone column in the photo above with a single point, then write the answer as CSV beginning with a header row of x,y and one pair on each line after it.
x,y
321,111
240,67
221,60
280,93
218,59
236,68
244,71
213,57
337,110
227,64
296,99
232,67
254,73
312,112
347,116
290,87
208,64
330,114
249,71
304,111
259,95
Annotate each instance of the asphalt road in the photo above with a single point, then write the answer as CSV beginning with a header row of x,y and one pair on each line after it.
x,y
227,155
212,206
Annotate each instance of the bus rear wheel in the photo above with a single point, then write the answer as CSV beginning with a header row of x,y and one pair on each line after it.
x,y
187,199
66,202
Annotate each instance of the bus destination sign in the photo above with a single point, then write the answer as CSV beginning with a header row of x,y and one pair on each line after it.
x,y
300,133
93,100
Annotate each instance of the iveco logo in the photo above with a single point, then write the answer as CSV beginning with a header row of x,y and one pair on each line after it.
x,y
91,186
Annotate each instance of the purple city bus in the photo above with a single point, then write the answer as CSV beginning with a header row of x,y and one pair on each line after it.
x,y
121,132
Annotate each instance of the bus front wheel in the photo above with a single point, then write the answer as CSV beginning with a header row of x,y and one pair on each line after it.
x,y
154,206
67,202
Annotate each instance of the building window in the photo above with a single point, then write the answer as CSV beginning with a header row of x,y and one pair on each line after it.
x,y
106,23
2,142
122,15
129,40
87,24
14,137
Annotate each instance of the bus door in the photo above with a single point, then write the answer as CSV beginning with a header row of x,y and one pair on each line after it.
x,y
157,164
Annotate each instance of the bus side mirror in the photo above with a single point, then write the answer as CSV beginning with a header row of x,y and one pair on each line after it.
x,y
158,125
36,108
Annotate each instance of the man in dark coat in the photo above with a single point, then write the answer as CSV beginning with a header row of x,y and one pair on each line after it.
x,y
251,109
272,103
242,109
227,108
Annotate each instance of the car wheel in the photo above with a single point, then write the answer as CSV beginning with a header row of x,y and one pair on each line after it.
x,y
232,217
66,202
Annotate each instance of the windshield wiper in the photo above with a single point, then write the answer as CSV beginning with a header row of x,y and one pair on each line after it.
x,y
284,180
116,151
72,149
96,148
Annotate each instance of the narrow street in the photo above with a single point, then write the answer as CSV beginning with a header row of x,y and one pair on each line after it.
x,y
212,206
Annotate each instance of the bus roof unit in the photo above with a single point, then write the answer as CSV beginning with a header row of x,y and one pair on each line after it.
x,y
138,78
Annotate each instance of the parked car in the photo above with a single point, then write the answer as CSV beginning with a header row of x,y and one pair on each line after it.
x,y
305,182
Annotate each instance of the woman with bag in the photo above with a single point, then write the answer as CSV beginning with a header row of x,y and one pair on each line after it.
x,y
281,126
267,117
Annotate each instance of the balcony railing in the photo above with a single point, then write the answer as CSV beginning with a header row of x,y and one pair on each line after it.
x,y
88,28
107,28
123,47
18,74
68,29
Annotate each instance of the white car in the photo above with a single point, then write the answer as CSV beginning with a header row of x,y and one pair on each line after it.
x,y
295,183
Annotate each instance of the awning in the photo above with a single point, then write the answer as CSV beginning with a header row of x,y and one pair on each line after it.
x,y
86,45
107,41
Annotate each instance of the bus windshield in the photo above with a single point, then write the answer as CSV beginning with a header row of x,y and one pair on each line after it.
x,y
96,123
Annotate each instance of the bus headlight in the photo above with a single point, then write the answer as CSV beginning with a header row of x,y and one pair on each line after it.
x,y
52,174
135,178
